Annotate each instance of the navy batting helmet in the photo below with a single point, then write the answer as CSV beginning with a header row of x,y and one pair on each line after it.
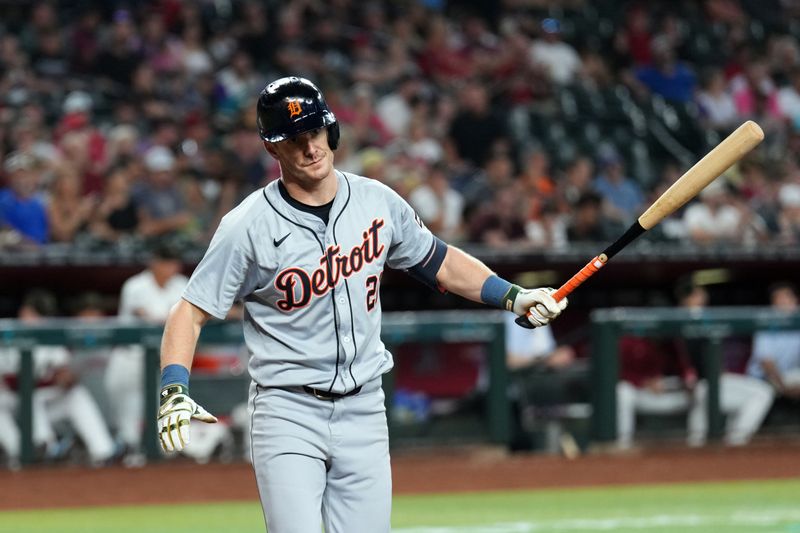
x,y
290,106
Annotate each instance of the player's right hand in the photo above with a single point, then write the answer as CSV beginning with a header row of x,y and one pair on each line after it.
x,y
538,305
174,412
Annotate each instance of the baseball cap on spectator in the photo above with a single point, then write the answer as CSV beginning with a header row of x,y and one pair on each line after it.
x,y
77,102
789,195
159,159
551,25
74,121
18,161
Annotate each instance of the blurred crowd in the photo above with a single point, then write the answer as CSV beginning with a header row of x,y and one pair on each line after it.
x,y
121,122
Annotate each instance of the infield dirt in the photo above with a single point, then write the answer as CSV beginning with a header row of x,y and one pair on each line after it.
x,y
451,470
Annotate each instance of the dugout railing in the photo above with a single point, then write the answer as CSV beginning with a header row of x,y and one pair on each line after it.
x,y
711,325
398,328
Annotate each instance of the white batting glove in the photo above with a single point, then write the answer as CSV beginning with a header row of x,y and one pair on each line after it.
x,y
541,304
174,413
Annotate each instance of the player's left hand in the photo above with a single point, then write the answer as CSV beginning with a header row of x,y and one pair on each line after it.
x,y
175,411
541,304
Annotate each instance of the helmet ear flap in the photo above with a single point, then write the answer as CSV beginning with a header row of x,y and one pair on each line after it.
x,y
333,135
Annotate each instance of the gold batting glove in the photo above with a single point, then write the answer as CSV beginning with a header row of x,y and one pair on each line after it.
x,y
175,411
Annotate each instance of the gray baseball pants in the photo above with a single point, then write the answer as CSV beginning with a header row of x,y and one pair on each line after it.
x,y
321,463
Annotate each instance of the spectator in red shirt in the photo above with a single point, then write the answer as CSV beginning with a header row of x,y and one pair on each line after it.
x,y
441,59
634,39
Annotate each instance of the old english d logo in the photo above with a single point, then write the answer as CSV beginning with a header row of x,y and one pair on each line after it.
x,y
294,108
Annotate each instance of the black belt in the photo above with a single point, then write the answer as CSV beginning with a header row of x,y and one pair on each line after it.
x,y
329,396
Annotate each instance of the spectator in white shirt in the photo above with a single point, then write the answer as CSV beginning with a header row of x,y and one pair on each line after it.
x,y
716,103
396,108
789,215
559,60
195,60
422,147
718,217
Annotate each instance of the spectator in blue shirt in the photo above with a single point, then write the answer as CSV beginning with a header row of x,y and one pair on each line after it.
x,y
622,197
667,76
22,213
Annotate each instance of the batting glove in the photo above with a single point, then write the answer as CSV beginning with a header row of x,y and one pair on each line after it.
x,y
539,306
174,413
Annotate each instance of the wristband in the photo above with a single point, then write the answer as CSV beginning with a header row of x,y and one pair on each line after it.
x,y
175,375
500,293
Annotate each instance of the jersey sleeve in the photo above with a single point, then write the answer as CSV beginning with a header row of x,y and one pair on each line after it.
x,y
226,273
411,240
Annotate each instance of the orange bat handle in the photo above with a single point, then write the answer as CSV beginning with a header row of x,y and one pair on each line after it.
x,y
582,275
575,281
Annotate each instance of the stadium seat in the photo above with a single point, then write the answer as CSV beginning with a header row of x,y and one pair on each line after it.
x,y
568,103
641,165
564,153
556,133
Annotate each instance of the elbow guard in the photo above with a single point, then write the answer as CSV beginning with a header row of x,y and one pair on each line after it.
x,y
425,271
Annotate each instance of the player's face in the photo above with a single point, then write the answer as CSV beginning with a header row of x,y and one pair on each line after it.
x,y
306,158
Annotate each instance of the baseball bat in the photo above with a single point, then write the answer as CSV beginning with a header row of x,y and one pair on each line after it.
x,y
710,167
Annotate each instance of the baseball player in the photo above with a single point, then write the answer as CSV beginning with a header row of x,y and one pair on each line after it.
x,y
305,254
148,296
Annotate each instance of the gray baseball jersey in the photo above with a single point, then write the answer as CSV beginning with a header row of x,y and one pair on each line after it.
x,y
310,290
